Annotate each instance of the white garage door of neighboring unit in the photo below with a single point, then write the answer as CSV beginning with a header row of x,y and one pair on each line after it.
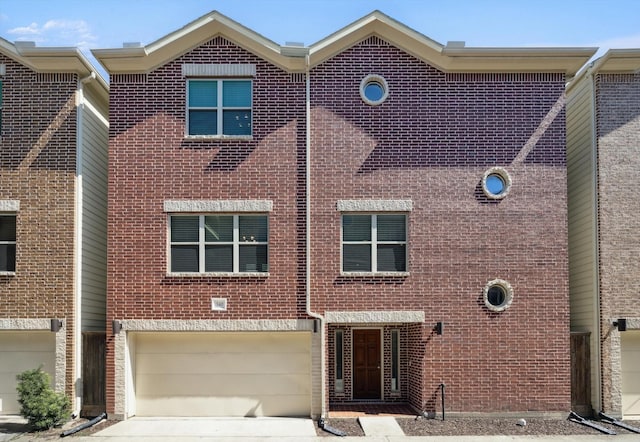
x,y
20,351
630,349
222,374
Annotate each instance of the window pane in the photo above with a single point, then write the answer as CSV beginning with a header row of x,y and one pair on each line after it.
x,y
339,354
203,122
184,259
236,122
395,355
7,257
203,93
184,228
253,228
356,258
7,228
236,93
356,228
392,258
392,228
253,258
218,258
218,228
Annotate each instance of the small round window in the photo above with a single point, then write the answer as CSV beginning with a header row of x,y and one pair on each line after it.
x,y
374,89
496,183
498,295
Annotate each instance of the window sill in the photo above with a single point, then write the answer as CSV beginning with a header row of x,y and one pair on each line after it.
x,y
218,137
7,273
219,275
374,274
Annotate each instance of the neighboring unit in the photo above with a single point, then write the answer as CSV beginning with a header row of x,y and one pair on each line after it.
x,y
293,229
53,164
603,154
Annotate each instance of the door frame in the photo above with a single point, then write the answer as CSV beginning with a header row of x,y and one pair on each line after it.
x,y
382,361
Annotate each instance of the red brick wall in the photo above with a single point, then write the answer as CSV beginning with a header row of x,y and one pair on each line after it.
x,y
150,162
431,142
37,167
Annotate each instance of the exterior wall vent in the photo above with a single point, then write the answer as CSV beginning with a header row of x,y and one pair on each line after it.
x,y
219,304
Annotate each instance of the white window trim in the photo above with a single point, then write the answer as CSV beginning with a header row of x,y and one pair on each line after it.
x,y
219,110
374,246
202,245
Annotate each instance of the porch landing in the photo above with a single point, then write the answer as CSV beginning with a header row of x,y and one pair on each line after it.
x,y
370,409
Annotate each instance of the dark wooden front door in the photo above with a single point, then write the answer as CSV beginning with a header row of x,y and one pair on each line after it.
x,y
366,364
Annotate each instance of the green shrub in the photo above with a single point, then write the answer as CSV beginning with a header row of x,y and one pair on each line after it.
x,y
39,404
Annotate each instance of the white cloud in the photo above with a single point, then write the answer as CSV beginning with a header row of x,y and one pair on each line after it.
x,y
57,33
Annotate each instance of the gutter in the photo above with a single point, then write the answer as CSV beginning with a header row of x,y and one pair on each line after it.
x,y
310,312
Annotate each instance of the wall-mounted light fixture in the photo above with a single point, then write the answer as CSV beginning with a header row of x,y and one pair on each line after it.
x,y
316,325
116,326
621,324
56,325
439,327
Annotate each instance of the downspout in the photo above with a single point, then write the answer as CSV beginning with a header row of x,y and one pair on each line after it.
x,y
77,339
311,313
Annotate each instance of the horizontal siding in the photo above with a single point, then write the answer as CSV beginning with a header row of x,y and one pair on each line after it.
x,y
581,205
94,228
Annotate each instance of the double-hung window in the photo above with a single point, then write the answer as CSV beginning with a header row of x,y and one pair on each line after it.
x,y
218,107
7,243
218,243
374,243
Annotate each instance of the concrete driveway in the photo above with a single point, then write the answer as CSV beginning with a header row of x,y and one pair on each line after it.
x,y
11,427
207,427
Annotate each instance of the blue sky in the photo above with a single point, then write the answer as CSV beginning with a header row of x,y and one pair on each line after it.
x,y
108,23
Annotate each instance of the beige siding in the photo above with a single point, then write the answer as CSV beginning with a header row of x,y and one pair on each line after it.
x,y
583,277
95,138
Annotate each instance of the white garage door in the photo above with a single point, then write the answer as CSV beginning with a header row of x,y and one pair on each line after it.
x,y
20,351
630,342
222,374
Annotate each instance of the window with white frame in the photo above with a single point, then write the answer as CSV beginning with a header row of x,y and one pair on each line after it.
x,y
217,107
7,243
374,243
218,243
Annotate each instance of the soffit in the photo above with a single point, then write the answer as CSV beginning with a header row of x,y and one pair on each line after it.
x,y
621,61
56,59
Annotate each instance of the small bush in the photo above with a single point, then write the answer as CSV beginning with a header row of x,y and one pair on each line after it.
x,y
39,404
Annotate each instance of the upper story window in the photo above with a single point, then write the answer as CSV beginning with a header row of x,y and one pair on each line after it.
x,y
218,243
0,105
218,107
7,243
374,243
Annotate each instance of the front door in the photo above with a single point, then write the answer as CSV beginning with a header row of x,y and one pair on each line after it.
x,y
366,364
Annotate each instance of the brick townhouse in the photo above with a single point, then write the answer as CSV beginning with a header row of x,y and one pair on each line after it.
x,y
53,158
603,155
293,229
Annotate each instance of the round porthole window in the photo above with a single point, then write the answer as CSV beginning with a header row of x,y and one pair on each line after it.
x,y
498,295
374,89
496,183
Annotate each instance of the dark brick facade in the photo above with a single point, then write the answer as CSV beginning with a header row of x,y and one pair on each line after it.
x,y
37,167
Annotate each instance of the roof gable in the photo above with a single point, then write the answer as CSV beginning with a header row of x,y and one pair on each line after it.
x,y
147,58
452,57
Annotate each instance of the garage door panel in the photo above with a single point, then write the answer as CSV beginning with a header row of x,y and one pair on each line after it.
x,y
630,349
217,363
20,351
223,342
223,374
224,406
225,385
